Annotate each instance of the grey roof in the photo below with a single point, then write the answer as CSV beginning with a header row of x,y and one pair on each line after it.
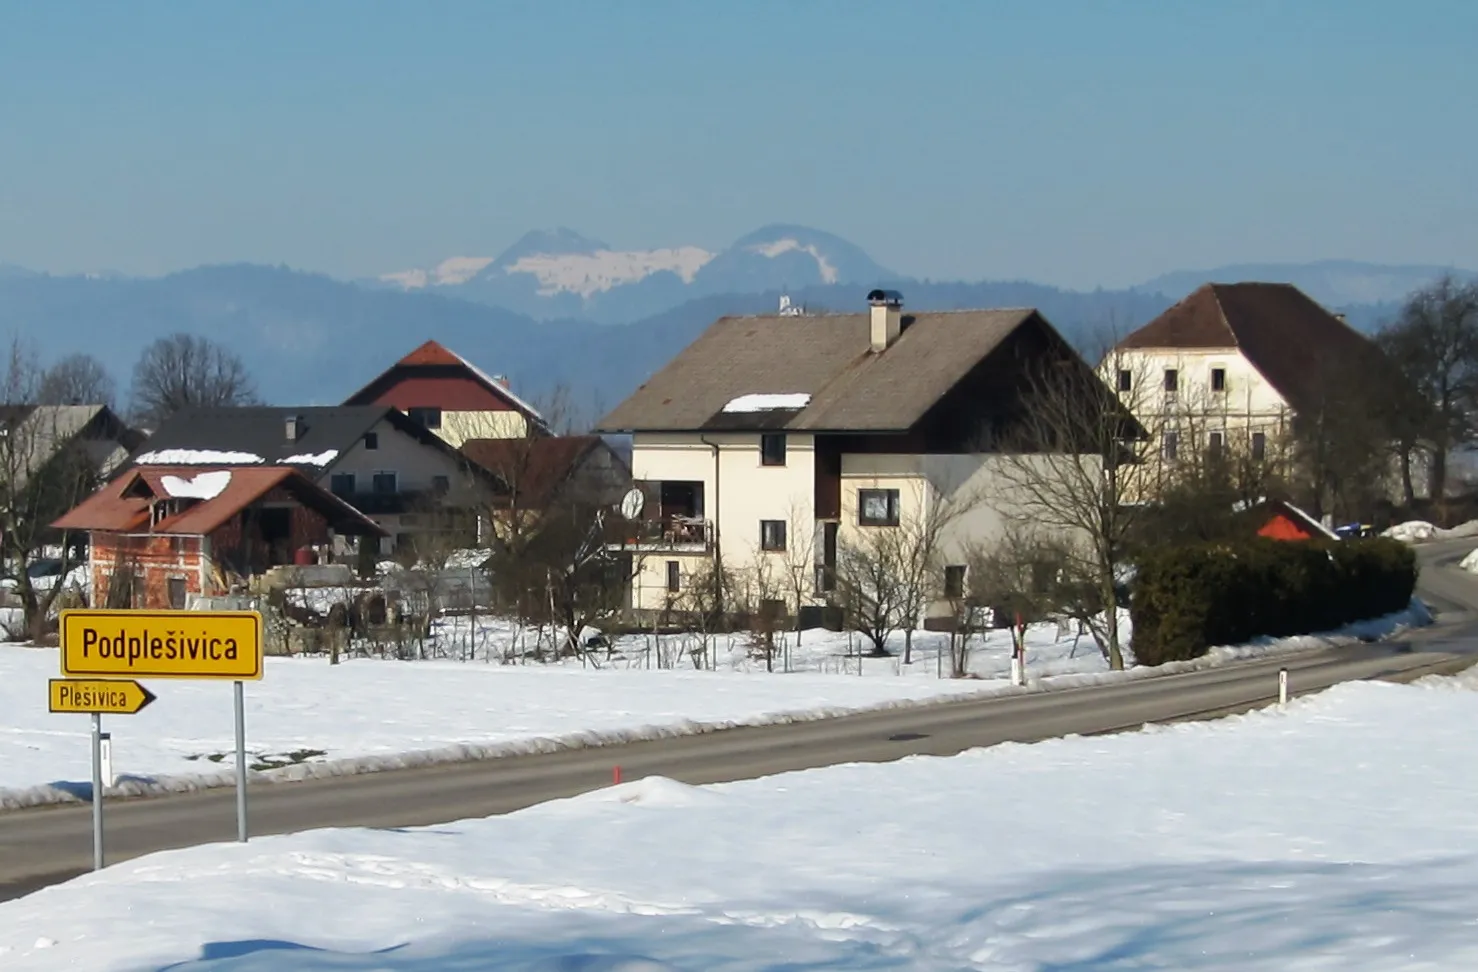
x,y
37,432
828,357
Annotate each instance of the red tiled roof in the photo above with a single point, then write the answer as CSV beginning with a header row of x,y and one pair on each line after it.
x,y
1292,341
430,353
122,506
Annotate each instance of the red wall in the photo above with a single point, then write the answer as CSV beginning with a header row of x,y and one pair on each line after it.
x,y
1281,527
452,394
154,559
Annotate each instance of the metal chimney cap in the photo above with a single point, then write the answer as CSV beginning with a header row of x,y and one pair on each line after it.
x,y
885,298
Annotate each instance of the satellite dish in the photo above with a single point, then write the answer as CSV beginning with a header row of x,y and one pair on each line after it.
x,y
632,504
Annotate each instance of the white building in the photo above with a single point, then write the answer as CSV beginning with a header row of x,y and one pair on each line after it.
x,y
771,441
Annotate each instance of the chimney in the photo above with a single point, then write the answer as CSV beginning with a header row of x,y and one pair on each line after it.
x,y
887,318
294,427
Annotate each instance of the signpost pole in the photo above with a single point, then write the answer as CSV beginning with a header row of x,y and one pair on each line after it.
x,y
97,791
240,761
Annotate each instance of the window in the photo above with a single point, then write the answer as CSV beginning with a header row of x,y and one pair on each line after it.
x,y
371,440
384,482
772,449
1218,379
1126,380
429,417
772,534
954,580
440,485
1214,442
877,507
1259,446
177,593
341,484
674,576
1170,446
1172,380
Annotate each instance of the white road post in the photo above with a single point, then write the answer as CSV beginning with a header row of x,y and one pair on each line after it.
x,y
240,693
1282,686
97,791
106,751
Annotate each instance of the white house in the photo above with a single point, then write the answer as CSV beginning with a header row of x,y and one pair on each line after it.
x,y
771,441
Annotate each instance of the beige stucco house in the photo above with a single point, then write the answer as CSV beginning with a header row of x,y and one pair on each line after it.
x,y
771,442
1229,369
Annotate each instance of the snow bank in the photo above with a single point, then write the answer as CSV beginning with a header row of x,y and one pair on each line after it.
x,y
197,457
1470,562
425,713
1271,841
1420,531
766,403
206,485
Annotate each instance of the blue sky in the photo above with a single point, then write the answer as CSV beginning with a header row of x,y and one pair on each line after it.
x,y
1080,143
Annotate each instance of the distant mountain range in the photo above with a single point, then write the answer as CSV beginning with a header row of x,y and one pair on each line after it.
x,y
560,310
558,273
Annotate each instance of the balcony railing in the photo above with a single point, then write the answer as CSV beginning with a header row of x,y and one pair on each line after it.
x,y
671,533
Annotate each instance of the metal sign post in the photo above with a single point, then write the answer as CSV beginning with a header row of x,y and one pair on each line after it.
x,y
97,791
240,693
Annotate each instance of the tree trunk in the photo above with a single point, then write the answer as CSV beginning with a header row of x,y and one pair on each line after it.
x,y
1408,489
908,643
1439,477
1111,606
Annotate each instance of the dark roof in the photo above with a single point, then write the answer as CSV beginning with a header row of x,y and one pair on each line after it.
x,y
535,466
122,506
1283,333
258,434
826,357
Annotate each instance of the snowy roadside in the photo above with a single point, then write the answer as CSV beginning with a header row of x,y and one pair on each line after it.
x,y
1267,841
313,720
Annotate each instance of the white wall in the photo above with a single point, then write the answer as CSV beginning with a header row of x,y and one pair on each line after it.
x,y
738,492
458,427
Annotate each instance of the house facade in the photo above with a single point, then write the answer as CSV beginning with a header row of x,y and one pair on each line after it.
x,y
772,444
411,483
452,397
159,534
1229,368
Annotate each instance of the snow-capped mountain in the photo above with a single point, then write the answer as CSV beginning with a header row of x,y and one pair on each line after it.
x,y
559,273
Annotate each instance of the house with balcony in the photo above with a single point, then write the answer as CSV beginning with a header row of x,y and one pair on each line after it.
x,y
771,443
452,397
414,486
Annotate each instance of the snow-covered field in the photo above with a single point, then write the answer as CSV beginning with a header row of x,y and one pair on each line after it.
x,y
1328,835
309,718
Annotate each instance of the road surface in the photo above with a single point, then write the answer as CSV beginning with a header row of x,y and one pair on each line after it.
x,y
43,846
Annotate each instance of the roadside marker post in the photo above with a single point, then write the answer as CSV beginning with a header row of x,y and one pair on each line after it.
x,y
102,651
1282,686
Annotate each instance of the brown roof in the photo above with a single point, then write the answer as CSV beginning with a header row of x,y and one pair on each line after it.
x,y
431,353
1283,333
534,467
827,357
122,506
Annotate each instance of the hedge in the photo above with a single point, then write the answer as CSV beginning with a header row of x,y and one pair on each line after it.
x,y
1186,599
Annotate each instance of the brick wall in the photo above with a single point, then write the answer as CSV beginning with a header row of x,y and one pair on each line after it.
x,y
153,562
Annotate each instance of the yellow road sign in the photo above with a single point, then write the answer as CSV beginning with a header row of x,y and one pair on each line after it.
x,y
115,696
162,644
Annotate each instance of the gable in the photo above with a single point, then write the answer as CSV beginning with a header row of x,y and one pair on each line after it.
x,y
448,388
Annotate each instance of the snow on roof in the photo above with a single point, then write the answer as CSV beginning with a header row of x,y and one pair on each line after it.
x,y
768,402
206,485
310,459
198,457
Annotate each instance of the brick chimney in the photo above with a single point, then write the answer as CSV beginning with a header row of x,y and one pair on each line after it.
x,y
887,318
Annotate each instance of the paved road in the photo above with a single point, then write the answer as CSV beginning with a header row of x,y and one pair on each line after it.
x,y
40,847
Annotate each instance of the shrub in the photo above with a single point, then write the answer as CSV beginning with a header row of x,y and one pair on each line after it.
x,y
1188,598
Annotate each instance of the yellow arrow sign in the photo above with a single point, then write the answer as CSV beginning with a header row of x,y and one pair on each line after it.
x,y
115,696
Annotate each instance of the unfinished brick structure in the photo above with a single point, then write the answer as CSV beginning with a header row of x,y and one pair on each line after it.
x,y
159,533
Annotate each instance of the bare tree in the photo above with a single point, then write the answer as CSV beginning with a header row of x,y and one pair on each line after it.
x,y
870,571
1076,469
77,379
43,474
184,371
1434,343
